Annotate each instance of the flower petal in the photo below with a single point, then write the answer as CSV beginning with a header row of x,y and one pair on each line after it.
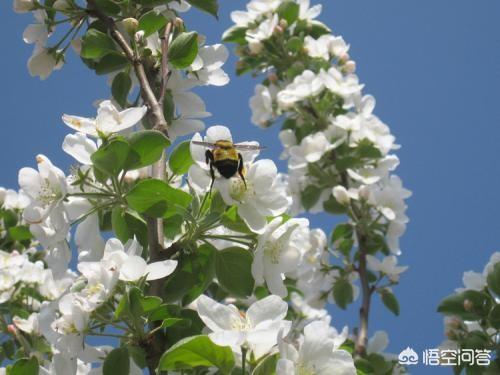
x,y
159,270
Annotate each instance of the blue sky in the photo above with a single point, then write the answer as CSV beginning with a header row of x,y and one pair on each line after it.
x,y
434,68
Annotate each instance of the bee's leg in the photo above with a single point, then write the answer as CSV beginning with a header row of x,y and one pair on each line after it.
x,y
212,175
209,157
210,161
240,169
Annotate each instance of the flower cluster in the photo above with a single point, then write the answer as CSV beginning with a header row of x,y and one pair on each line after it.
x,y
340,154
199,252
472,314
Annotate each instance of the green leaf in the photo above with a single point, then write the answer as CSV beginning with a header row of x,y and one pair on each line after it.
x,y
147,147
390,301
163,312
233,221
111,63
342,293
235,35
468,305
151,22
20,233
289,10
493,279
193,275
310,196
138,354
156,198
153,3
366,149
294,44
169,106
25,366
123,307
121,87
183,50
342,231
379,364
494,317
110,159
233,267
180,159
267,366
119,224
179,322
96,44
197,351
209,6
333,207
150,303
117,362
108,7
181,331
317,28
135,297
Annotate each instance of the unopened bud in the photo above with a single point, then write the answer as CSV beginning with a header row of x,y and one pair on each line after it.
x,y
272,77
452,335
240,65
453,322
364,192
341,195
139,36
77,45
255,47
178,22
130,25
349,67
11,328
23,6
239,51
3,194
61,5
344,58
283,24
468,305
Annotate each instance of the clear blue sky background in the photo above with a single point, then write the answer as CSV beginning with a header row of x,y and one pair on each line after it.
x,y
434,67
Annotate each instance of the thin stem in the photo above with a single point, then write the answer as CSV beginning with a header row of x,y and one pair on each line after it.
x,y
165,72
243,359
105,335
364,311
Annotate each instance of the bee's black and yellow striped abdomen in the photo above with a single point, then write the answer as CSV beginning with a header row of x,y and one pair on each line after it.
x,y
227,167
226,158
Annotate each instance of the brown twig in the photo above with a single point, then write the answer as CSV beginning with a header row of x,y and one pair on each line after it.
x,y
155,107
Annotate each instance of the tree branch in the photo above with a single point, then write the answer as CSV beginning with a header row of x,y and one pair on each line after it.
x,y
364,311
154,226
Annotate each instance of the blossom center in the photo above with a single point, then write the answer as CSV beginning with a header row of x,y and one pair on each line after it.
x,y
304,369
48,193
238,191
272,250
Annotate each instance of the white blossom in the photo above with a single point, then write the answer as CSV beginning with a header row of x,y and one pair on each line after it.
x,y
43,62
318,353
387,266
256,329
278,252
108,121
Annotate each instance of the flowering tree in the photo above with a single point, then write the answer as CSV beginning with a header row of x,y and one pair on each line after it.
x,y
472,319
197,262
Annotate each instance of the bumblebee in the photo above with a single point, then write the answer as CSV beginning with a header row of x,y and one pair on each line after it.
x,y
223,156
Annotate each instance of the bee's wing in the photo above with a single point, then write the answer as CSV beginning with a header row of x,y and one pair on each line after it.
x,y
248,146
205,144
